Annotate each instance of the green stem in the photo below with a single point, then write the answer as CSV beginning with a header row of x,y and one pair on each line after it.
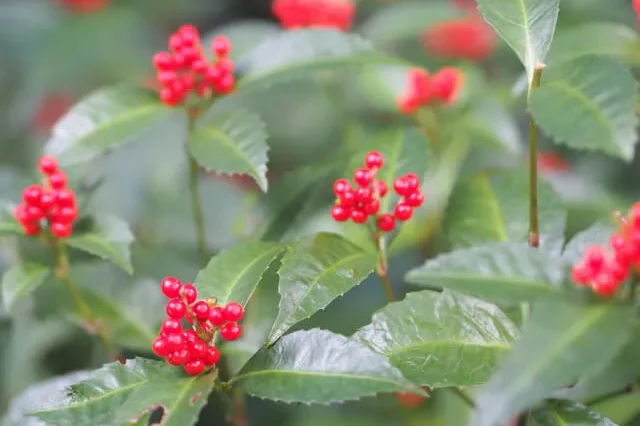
x,y
383,266
196,202
464,396
534,233
427,121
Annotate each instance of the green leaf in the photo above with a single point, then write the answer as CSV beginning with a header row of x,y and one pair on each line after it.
x,y
589,104
119,394
317,366
488,208
233,274
597,234
498,272
568,413
559,343
8,224
441,339
20,281
314,272
232,142
105,119
108,239
594,38
300,52
621,409
526,25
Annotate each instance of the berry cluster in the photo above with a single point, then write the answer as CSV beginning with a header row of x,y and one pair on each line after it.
x,y
468,38
53,203
359,203
606,269
192,347
424,89
185,69
85,6
636,7
294,14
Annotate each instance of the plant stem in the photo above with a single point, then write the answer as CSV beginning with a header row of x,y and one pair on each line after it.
x,y
534,233
196,202
92,324
382,266
464,396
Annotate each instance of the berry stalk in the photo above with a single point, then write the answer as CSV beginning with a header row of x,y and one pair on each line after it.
x,y
382,267
534,233
196,202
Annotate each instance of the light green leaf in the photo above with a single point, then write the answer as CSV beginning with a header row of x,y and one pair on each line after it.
x,y
589,104
560,342
498,272
317,366
441,339
8,224
568,413
233,274
495,207
105,119
108,239
232,142
621,409
526,25
118,394
314,272
594,38
597,234
20,281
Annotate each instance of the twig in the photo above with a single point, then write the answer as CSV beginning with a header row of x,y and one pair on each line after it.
x,y
534,233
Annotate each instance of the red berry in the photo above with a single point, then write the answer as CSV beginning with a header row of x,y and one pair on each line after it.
x,y
194,367
340,214
67,215
226,84
580,274
341,186
35,213
364,195
403,212
169,97
176,309
468,38
213,355
31,229
170,287
363,177
190,336
199,66
386,222
217,316
166,78
233,311
21,214
175,42
373,160
190,54
61,230
415,199
188,31
48,165
358,216
373,207
178,357
412,182
409,400
347,199
32,194
381,187
447,84
171,326
221,46
198,349
225,66
160,347
65,197
58,180
201,310
189,293
175,341
164,61
213,75
595,258
401,187
604,285
47,200
231,331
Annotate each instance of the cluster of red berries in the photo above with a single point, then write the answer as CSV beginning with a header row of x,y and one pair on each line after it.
x,y
192,347
468,38
294,14
359,203
636,7
53,203
85,6
606,269
186,70
423,89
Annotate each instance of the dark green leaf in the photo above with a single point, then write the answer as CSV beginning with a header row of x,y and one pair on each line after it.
x,y
317,366
495,207
589,104
8,224
526,25
119,394
560,342
20,281
315,271
568,413
441,339
498,272
108,239
232,142
233,274
105,119
597,234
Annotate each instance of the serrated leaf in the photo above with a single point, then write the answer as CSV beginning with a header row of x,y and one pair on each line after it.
x,y
594,38
8,224
498,272
118,394
300,52
568,413
232,142
441,339
105,119
20,281
317,366
597,234
589,104
314,272
488,208
526,25
560,342
109,239
233,274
